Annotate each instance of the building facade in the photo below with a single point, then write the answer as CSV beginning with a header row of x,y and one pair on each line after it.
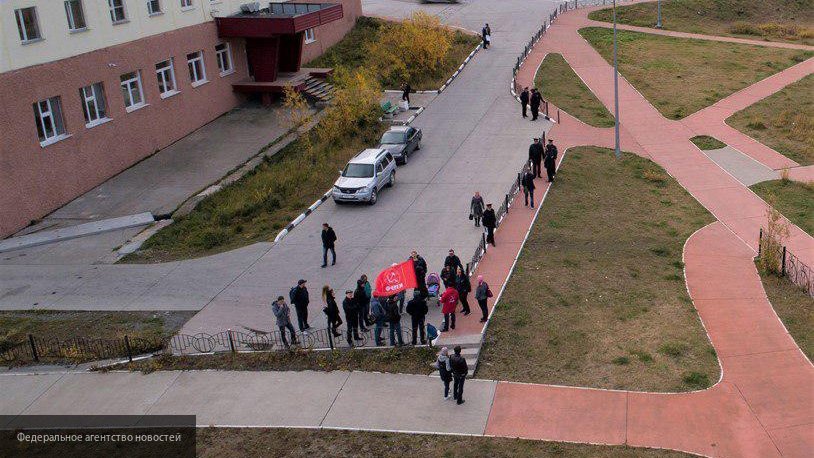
x,y
90,87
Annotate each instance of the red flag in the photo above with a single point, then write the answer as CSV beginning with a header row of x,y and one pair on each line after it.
x,y
395,279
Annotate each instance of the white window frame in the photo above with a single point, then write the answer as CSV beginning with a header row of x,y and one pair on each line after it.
x,y
113,7
310,35
187,5
130,84
224,59
72,26
194,77
21,29
48,117
166,74
93,96
154,8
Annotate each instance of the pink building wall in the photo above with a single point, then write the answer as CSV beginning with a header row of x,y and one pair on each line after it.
x,y
35,181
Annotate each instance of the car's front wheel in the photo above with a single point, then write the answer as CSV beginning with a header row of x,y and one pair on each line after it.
x,y
418,145
404,159
392,180
373,197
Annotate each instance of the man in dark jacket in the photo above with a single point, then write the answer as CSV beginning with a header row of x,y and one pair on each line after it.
x,y
528,186
394,319
300,300
452,261
459,370
535,101
405,92
351,317
420,267
328,241
362,304
417,309
524,100
536,157
550,160
281,312
490,223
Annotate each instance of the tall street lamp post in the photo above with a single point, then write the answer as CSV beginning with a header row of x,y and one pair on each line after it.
x,y
658,21
615,84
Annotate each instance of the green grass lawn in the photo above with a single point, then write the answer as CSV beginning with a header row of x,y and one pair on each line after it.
x,y
706,142
597,297
794,307
65,325
774,20
405,360
793,199
562,87
307,443
784,121
351,52
681,76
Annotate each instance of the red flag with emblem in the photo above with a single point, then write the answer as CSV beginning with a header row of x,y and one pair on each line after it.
x,y
395,279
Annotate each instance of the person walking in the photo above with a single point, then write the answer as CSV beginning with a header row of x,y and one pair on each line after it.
x,y
536,154
490,223
551,160
405,92
328,243
444,370
524,100
482,294
299,297
535,101
331,310
351,317
362,304
394,320
452,261
486,34
379,319
447,277
449,300
463,286
420,268
283,315
457,364
417,309
528,185
476,208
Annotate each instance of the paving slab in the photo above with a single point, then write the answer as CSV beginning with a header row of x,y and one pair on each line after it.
x,y
252,398
20,390
409,403
747,170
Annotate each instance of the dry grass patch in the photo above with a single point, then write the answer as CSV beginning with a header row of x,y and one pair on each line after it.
x,y
772,20
793,199
783,121
794,307
706,142
598,295
562,87
680,76
306,443
405,360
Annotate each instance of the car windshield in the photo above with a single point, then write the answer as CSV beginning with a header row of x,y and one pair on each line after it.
x,y
358,171
393,137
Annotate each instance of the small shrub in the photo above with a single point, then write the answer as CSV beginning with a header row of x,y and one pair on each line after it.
x,y
211,238
673,349
657,178
744,28
696,380
642,356
621,361
757,125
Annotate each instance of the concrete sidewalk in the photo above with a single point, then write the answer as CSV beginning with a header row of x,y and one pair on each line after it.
x,y
356,400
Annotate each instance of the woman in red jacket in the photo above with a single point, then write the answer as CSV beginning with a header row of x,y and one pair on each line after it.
x,y
449,300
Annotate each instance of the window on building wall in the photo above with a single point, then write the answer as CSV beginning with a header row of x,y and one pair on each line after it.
x,y
117,11
186,4
165,72
131,90
93,104
154,7
75,14
224,55
27,24
197,72
309,35
48,117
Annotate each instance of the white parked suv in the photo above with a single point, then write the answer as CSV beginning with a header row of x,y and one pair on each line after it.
x,y
364,176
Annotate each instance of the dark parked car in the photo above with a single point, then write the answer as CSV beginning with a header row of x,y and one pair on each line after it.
x,y
401,141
